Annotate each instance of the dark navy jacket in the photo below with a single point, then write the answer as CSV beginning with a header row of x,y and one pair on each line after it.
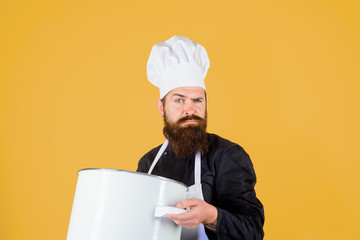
x,y
228,180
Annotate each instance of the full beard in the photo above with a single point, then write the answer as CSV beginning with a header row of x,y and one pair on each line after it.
x,y
187,140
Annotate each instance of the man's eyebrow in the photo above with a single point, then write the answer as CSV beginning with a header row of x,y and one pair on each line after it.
x,y
183,96
178,95
198,98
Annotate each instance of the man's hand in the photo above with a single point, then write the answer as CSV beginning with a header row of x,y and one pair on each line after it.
x,y
200,212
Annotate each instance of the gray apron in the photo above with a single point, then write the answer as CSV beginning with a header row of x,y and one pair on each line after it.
x,y
194,191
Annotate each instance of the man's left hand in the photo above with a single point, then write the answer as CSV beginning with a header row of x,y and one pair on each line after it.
x,y
200,212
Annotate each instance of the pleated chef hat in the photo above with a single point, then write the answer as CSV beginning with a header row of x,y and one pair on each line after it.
x,y
177,62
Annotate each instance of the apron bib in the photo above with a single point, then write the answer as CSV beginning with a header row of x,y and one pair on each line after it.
x,y
194,191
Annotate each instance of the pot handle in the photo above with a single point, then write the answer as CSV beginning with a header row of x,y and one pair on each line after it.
x,y
161,211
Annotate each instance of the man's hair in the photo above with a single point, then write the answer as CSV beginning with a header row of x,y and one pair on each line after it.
x,y
187,141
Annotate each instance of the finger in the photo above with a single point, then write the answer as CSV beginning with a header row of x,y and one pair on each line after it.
x,y
180,217
189,223
189,203
190,216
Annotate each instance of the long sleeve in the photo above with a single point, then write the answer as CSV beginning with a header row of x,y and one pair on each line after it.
x,y
240,213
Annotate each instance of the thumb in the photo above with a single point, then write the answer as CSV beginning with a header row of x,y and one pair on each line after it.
x,y
188,203
180,205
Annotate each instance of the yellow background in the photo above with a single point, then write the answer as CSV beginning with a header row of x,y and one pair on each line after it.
x,y
283,83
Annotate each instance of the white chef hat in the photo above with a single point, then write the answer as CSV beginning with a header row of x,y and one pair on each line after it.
x,y
177,62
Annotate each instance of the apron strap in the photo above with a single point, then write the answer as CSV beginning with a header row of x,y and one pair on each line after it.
x,y
158,155
197,170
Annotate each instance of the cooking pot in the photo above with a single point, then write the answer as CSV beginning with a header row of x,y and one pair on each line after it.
x,y
113,204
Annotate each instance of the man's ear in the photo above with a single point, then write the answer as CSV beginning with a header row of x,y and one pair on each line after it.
x,y
160,107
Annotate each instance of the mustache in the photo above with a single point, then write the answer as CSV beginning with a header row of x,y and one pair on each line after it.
x,y
190,117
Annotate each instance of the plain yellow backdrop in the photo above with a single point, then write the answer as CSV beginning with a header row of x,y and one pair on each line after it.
x,y
283,83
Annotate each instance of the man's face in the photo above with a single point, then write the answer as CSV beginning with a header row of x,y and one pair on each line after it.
x,y
185,120
183,102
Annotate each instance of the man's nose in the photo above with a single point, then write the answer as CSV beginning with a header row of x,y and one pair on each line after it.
x,y
189,108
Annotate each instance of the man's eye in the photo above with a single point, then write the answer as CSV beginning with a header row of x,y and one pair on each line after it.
x,y
198,100
179,100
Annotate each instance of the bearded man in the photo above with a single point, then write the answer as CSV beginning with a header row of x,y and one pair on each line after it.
x,y
221,198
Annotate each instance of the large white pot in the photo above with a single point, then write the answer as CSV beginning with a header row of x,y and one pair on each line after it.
x,y
120,205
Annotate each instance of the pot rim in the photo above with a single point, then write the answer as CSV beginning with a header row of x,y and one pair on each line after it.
x,y
141,173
